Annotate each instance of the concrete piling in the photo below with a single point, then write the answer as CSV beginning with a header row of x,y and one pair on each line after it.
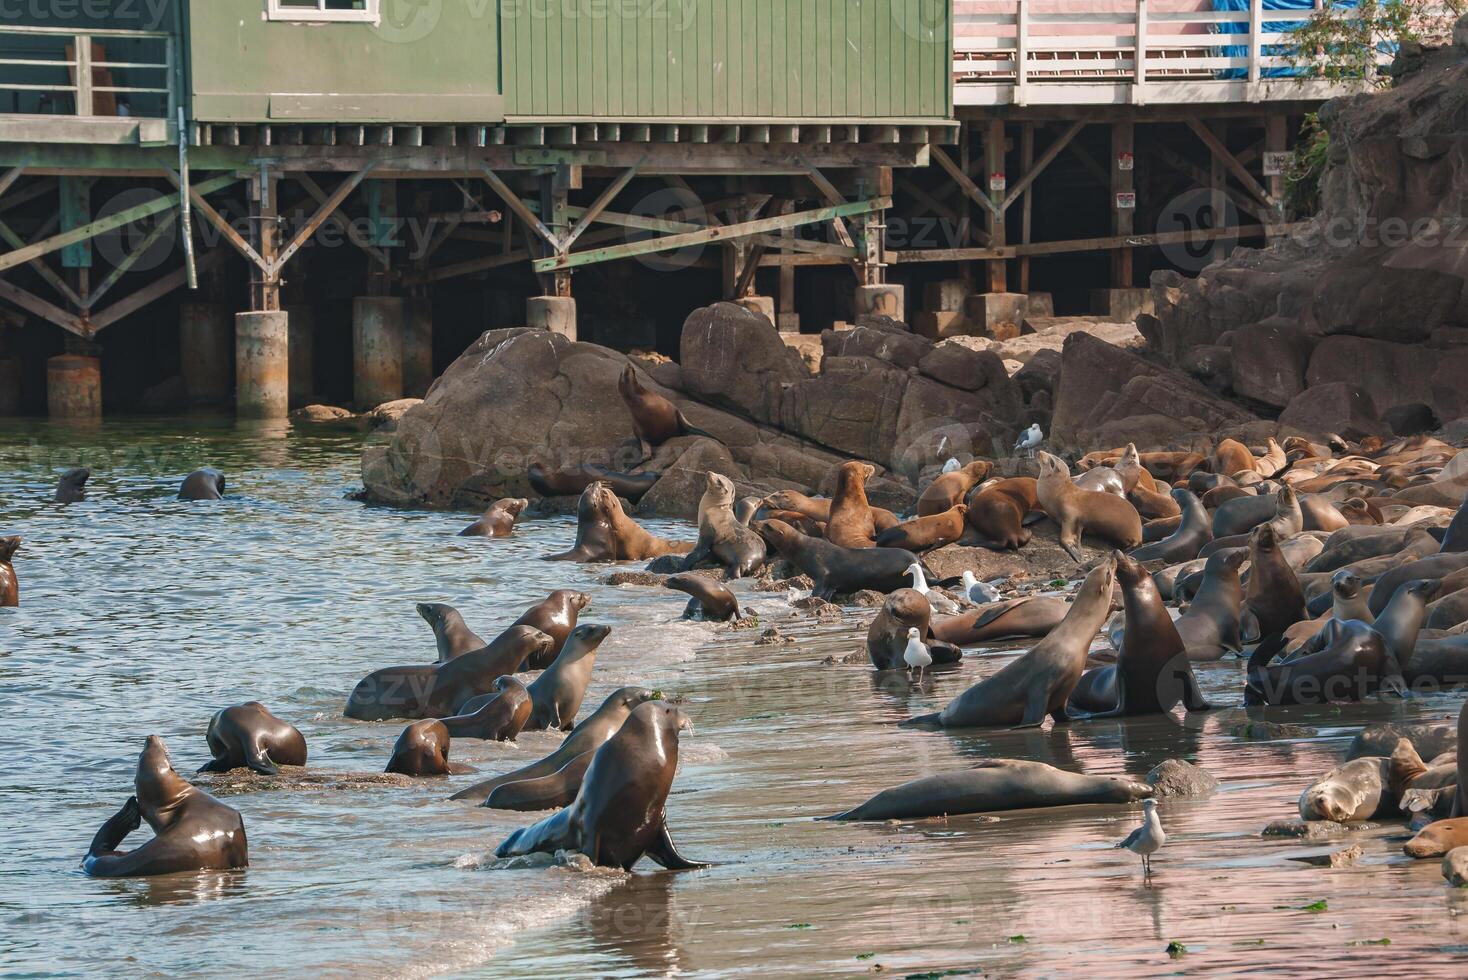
x,y
302,354
205,352
417,346
554,313
377,350
74,387
262,364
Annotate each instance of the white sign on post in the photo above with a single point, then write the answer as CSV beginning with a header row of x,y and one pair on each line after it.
x,y
1126,200
1276,163
1125,161
997,182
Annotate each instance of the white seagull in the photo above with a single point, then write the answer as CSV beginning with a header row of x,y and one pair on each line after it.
x,y
980,592
1147,839
1030,440
936,599
916,654
952,466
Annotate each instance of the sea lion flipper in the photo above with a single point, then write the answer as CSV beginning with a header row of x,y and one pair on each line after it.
x,y
665,852
258,760
213,765
1036,707
1193,698
127,819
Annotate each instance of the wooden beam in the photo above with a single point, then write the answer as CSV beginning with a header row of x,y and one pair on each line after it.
x,y
44,309
326,210
965,184
597,207
1051,152
164,223
513,202
1222,155
314,189
1123,220
1094,244
41,268
221,224
135,301
1027,204
833,197
670,226
994,153
11,176
744,285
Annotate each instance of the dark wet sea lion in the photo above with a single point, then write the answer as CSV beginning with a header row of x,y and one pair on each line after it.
x,y
604,532
249,735
746,508
498,521
1153,673
555,615
9,584
1361,542
926,533
440,690
618,816
1202,482
205,484
1162,528
192,830
1243,515
585,737
1218,496
710,600
1435,566
72,487
655,419
1084,512
556,694
495,717
887,635
997,512
1194,531
1353,664
1401,621
721,538
1273,595
573,482
1455,538
451,634
851,524
994,786
1210,627
423,750
834,568
545,792
1025,690
1449,610
951,488
1033,616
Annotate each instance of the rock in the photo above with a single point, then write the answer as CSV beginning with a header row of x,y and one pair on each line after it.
x,y
851,406
734,357
878,340
1265,731
1455,862
1386,302
962,367
797,583
1040,373
1050,333
1211,364
1311,829
1460,34
1174,777
664,565
385,417
978,423
1394,374
682,485
633,578
1334,408
169,395
1042,558
772,637
1344,858
322,415
1269,361
862,597
1410,420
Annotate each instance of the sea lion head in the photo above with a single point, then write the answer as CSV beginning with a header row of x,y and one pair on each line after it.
x,y
909,607
589,635
576,600
1183,497
1128,571
1099,581
514,506
854,473
1346,584
627,384
777,534
1228,559
157,786
508,682
76,477
781,500
629,698
1435,839
1052,466
665,717
719,488
598,498
1286,498
433,612
8,547
1424,589
979,470
1264,539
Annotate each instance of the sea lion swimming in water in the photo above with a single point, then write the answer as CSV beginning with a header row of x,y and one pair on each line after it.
x,y
495,717
9,584
655,419
555,695
192,830
618,816
710,600
205,484
721,537
72,487
498,521
555,616
423,750
249,735
604,532
451,635
834,568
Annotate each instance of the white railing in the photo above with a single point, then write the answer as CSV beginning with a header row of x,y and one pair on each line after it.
x,y
31,53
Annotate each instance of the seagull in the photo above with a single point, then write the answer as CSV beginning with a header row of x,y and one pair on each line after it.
x,y
936,599
1147,839
916,654
1030,440
980,592
952,466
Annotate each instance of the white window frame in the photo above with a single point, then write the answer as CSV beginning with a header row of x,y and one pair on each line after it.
x,y
274,10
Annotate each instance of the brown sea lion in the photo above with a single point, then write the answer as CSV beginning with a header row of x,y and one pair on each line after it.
x,y
818,509
1084,512
1433,566
655,420
423,750
1273,595
496,717
709,600
572,482
451,635
997,512
721,538
951,488
72,487
1218,496
925,533
887,635
1025,690
1231,456
555,615
248,735
9,584
1210,627
1321,514
556,694
1362,788
797,520
498,521
192,830
835,569
1153,504
1034,616
1438,838
851,524
1161,528
205,484
544,792
604,532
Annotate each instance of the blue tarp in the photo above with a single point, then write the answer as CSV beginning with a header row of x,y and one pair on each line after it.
x,y
1273,26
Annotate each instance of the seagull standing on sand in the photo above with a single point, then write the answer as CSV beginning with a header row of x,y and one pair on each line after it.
x,y
1030,440
1147,839
939,601
980,592
916,654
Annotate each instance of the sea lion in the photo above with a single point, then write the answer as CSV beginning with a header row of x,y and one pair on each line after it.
x,y
1194,531
1359,543
9,584
801,523
1273,595
721,538
585,737
545,792
746,508
710,600
1243,515
451,634
1320,514
192,830
1033,616
997,512
496,717
249,735
1449,610
554,615
617,816
1401,621
834,568
1438,838
1362,788
1119,478
818,509
556,694
1273,462
887,635
851,524
573,482
1231,456
926,533
1203,482
1153,673
655,419
1153,505
423,750
1436,567
1161,528
952,487
604,532
993,786
1218,496
1172,579
1210,627
205,484
1353,664
1084,512
440,690
1360,512
1429,741
1025,690
498,521
1455,538
72,487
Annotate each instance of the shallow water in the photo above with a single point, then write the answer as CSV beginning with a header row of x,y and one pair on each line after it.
x,y
143,615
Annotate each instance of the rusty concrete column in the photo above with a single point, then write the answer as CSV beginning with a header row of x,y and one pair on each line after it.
x,y
9,386
262,364
377,350
74,387
417,346
302,354
204,346
554,313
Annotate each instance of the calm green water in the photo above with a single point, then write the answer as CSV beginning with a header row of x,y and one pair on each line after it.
x,y
143,615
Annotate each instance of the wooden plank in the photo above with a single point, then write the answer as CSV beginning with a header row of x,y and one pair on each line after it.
x,y
1123,220
670,226
41,268
965,184
513,202
1093,244
1222,155
44,309
326,210
1032,173
11,176
597,207
335,219
222,226
133,302
163,224
994,148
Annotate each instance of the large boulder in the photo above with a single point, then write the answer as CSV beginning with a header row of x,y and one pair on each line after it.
x,y
734,357
1386,303
852,406
1336,408
678,491
876,338
1269,361
1395,374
